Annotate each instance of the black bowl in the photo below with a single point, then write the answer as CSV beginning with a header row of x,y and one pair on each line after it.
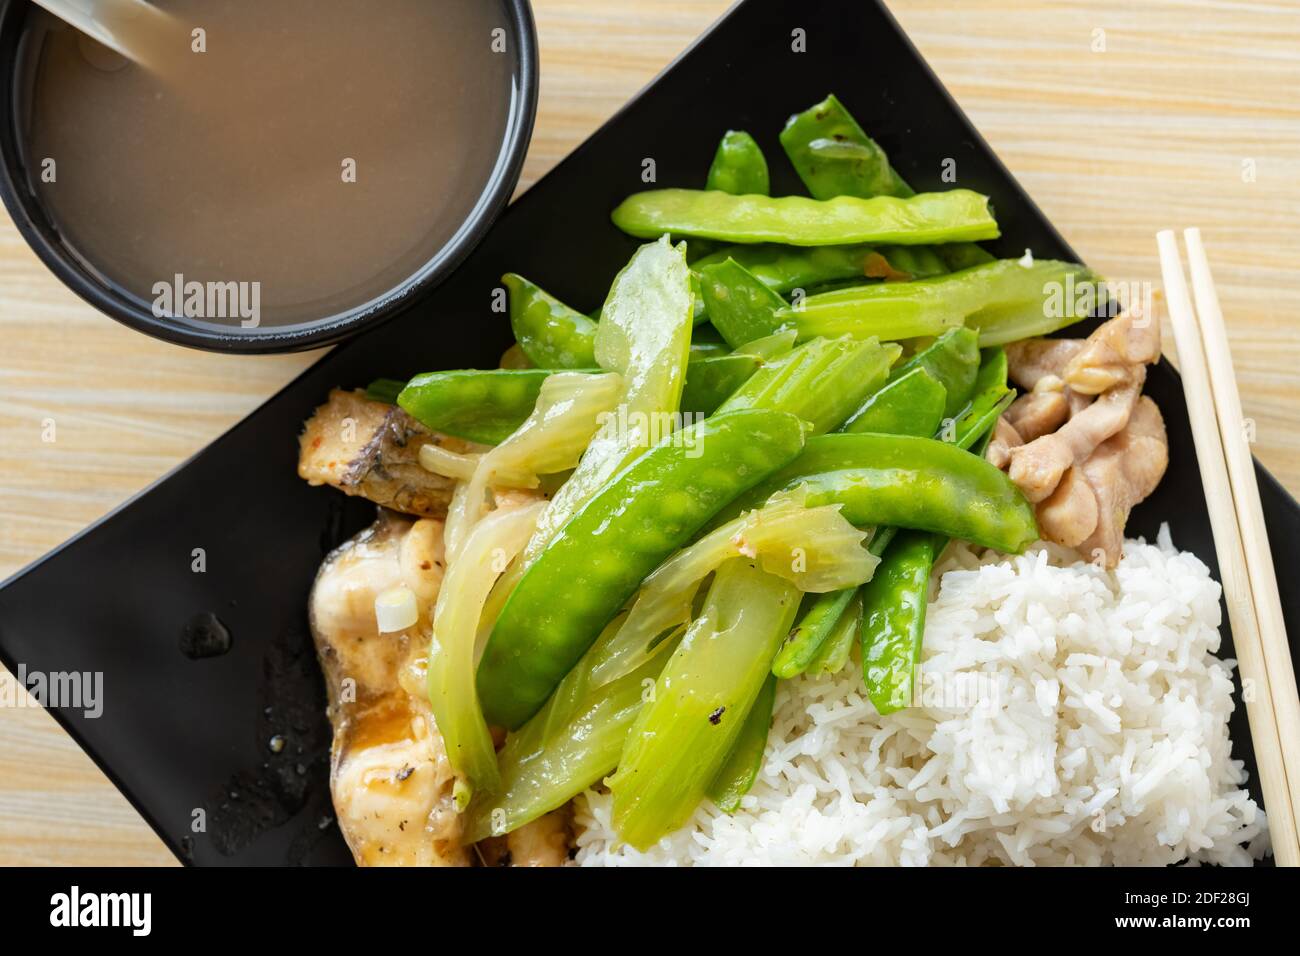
x,y
177,734
41,234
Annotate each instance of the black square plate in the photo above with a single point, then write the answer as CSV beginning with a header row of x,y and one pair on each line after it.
x,y
177,734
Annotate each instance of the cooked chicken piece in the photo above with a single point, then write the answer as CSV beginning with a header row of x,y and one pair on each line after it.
x,y
1030,360
1005,438
1037,467
544,842
390,778
1122,473
1114,353
1039,412
1069,514
372,449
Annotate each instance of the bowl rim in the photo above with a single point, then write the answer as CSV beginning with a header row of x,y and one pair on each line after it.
x,y
25,210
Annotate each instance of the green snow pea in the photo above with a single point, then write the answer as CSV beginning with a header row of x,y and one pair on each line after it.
x,y
551,334
924,218
990,397
834,157
954,360
477,405
1002,300
712,379
895,598
835,650
786,268
817,619
912,403
740,307
738,166
744,762
906,482
385,390
487,405
893,618
597,560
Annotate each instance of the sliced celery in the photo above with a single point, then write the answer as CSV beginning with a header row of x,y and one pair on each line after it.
x,y
682,737
822,382
571,744
645,335
1003,300
814,548
453,695
744,762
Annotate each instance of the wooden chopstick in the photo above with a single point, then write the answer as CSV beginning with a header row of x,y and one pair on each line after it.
x,y
1250,511
1206,435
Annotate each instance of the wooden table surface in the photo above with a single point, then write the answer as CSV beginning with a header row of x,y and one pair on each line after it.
x,y
1162,128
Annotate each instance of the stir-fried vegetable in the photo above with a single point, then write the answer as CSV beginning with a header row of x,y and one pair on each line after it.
x,y
569,409
822,381
834,157
684,735
740,771
451,658
550,333
908,482
894,601
953,359
738,166
1002,300
637,623
911,404
585,574
814,548
644,334
838,645
739,306
924,218
571,744
478,406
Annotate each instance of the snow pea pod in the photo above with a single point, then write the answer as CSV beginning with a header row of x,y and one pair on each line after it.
x,y
600,556
488,405
817,619
712,379
740,307
907,482
835,650
894,599
893,618
834,157
738,166
910,404
744,762
795,220
551,334
990,397
954,360
385,390
478,405
1003,301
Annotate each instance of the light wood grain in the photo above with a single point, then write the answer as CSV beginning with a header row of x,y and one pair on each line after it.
x,y
1151,133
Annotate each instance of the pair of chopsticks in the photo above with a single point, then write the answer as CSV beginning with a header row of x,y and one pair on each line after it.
x,y
1240,537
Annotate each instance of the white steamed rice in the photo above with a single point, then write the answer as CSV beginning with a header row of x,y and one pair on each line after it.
x,y
1068,715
